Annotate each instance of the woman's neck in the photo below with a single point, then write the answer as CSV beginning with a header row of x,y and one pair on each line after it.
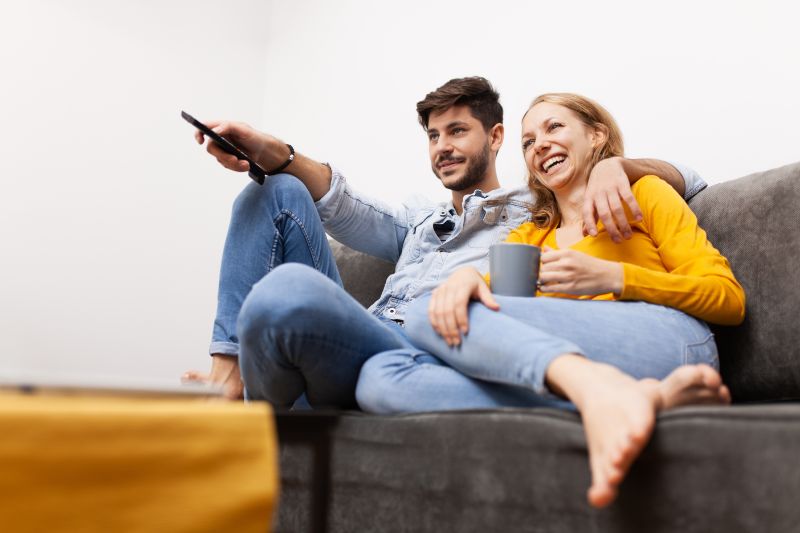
x,y
570,204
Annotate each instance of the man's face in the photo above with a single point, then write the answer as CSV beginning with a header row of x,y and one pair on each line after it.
x,y
459,148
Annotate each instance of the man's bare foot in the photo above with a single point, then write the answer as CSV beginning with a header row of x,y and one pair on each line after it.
x,y
225,372
619,413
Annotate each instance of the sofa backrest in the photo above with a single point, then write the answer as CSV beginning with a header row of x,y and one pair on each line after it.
x,y
363,276
755,222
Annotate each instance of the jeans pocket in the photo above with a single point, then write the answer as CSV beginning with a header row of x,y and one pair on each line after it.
x,y
702,352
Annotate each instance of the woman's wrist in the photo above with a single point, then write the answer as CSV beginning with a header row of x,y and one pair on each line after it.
x,y
615,277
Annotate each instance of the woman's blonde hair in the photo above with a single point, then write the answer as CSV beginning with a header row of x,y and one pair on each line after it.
x,y
593,115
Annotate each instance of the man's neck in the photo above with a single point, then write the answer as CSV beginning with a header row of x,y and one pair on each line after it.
x,y
489,183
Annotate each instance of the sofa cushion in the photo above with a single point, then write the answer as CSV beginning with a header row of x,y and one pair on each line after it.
x,y
755,222
705,469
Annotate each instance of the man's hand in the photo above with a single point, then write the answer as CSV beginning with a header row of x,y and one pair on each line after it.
x,y
225,372
571,272
608,187
268,151
448,306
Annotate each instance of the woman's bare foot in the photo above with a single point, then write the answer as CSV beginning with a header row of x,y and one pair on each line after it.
x,y
619,412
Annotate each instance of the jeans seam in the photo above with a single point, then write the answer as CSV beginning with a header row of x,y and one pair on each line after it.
x,y
299,222
689,345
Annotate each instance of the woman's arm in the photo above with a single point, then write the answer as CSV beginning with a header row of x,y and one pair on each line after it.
x,y
699,280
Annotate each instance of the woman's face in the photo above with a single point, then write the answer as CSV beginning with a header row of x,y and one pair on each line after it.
x,y
557,145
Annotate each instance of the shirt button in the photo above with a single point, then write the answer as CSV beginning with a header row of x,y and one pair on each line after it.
x,y
391,311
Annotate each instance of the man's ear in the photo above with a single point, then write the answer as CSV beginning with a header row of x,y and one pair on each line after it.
x,y
496,135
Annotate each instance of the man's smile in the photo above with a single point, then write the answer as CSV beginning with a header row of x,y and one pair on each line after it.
x,y
449,164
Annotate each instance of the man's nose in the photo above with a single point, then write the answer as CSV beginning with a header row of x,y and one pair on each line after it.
x,y
443,147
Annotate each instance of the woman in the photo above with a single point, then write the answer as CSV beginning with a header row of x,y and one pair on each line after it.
x,y
617,357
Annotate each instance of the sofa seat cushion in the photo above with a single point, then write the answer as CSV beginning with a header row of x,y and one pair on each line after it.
x,y
705,469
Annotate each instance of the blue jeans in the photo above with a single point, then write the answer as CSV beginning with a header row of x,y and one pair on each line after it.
x,y
503,359
281,306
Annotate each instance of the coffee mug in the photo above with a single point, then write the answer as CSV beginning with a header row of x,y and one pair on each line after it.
x,y
514,268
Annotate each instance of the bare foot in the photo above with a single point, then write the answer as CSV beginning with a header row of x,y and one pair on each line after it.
x,y
619,416
225,372
693,385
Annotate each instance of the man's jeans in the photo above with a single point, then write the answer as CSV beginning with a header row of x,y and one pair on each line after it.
x,y
503,359
281,306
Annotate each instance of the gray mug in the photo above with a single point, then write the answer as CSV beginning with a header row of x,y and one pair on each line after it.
x,y
514,268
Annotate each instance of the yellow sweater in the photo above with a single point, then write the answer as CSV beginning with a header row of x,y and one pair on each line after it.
x,y
668,260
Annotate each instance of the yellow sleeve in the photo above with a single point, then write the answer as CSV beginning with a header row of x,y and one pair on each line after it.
x,y
698,280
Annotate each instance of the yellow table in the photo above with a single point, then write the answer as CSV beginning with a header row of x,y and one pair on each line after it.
x,y
116,465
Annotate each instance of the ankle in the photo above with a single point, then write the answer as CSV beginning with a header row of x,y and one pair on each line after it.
x,y
569,375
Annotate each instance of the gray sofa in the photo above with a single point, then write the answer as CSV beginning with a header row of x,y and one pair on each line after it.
x,y
706,469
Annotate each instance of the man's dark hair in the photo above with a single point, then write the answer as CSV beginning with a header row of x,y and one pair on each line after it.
x,y
474,92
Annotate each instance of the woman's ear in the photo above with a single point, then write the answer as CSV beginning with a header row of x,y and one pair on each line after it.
x,y
600,135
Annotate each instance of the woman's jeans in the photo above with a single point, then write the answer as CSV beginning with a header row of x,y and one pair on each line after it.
x,y
503,359
281,306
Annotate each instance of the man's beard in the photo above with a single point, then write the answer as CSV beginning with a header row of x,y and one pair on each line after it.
x,y
476,171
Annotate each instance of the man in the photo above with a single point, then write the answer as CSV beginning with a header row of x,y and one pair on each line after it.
x,y
283,320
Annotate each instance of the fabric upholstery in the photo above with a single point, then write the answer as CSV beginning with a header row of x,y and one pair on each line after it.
x,y
363,276
526,470
755,222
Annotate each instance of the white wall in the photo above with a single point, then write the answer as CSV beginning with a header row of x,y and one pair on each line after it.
x,y
112,220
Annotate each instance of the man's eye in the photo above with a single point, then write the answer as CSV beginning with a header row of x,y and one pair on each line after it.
x,y
456,131
433,136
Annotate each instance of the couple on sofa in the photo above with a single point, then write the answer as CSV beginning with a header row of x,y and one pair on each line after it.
x,y
628,278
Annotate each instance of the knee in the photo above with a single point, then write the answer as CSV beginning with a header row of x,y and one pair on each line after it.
x,y
280,191
288,294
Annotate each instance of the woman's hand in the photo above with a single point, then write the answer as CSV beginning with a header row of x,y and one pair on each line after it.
x,y
448,307
572,272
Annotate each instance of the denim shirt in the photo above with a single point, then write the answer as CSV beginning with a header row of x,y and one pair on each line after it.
x,y
407,234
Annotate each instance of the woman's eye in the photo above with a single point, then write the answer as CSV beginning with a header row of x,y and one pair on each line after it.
x,y
527,144
554,125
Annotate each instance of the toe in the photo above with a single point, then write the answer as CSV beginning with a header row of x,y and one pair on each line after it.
x,y
711,377
601,496
724,394
193,375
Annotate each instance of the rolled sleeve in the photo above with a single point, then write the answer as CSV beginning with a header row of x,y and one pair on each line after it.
x,y
329,203
692,180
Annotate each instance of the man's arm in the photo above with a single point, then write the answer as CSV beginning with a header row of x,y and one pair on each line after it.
x,y
610,187
636,168
364,224
270,153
